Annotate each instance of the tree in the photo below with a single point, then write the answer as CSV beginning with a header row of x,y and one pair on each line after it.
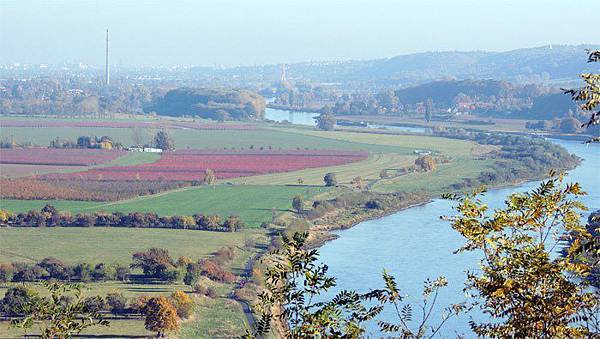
x,y
326,120
298,204
294,281
164,141
183,304
57,318
209,177
526,290
569,125
154,262
116,302
161,316
425,163
330,180
300,181
15,300
589,94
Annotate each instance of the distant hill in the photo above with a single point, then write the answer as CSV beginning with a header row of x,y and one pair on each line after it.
x,y
541,64
491,97
552,65
210,103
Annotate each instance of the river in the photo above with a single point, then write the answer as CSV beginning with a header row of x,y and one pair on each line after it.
x,y
308,118
414,244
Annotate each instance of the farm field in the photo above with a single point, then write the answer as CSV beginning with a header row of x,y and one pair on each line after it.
x,y
254,204
105,244
188,138
368,169
189,165
410,143
254,193
435,182
58,157
24,170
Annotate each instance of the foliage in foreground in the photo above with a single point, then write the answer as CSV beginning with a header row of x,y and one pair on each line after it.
x,y
589,95
293,300
522,285
57,317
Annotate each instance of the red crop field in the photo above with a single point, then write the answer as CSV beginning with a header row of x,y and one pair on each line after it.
x,y
190,165
57,157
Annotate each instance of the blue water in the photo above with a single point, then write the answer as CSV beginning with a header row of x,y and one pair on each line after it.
x,y
298,118
415,244
394,128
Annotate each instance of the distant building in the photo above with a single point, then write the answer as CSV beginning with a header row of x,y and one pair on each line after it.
x,y
145,149
152,150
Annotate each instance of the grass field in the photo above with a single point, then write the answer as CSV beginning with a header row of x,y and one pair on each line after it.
x,y
408,142
435,182
105,244
185,138
254,204
367,169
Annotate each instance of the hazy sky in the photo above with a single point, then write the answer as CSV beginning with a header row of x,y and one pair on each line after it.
x,y
234,32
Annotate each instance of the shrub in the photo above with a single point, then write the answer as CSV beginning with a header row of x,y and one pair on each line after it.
x,y
214,271
182,303
116,302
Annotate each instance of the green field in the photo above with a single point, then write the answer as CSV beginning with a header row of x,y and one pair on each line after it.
x,y
185,138
254,204
408,142
436,182
105,244
367,169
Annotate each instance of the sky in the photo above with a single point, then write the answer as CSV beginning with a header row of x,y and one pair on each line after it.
x,y
250,32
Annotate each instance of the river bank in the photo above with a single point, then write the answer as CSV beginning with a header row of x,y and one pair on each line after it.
x,y
323,230
414,244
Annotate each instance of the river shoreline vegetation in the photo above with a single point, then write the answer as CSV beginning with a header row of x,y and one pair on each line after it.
x,y
200,202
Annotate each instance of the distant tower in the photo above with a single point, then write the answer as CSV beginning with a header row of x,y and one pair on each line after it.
x,y
107,67
283,78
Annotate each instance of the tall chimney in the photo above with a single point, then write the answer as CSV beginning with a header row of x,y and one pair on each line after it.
x,y
107,70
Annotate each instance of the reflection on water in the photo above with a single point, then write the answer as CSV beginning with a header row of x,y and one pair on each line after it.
x,y
299,118
415,244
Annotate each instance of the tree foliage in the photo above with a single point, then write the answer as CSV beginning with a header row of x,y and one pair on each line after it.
x,y
330,179
294,283
59,319
161,316
164,141
298,204
326,120
526,290
589,94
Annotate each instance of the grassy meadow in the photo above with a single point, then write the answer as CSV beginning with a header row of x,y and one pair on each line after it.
x,y
253,203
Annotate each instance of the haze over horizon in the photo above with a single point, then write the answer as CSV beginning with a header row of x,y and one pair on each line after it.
x,y
155,34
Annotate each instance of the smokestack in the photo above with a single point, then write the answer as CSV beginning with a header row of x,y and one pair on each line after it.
x,y
107,70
